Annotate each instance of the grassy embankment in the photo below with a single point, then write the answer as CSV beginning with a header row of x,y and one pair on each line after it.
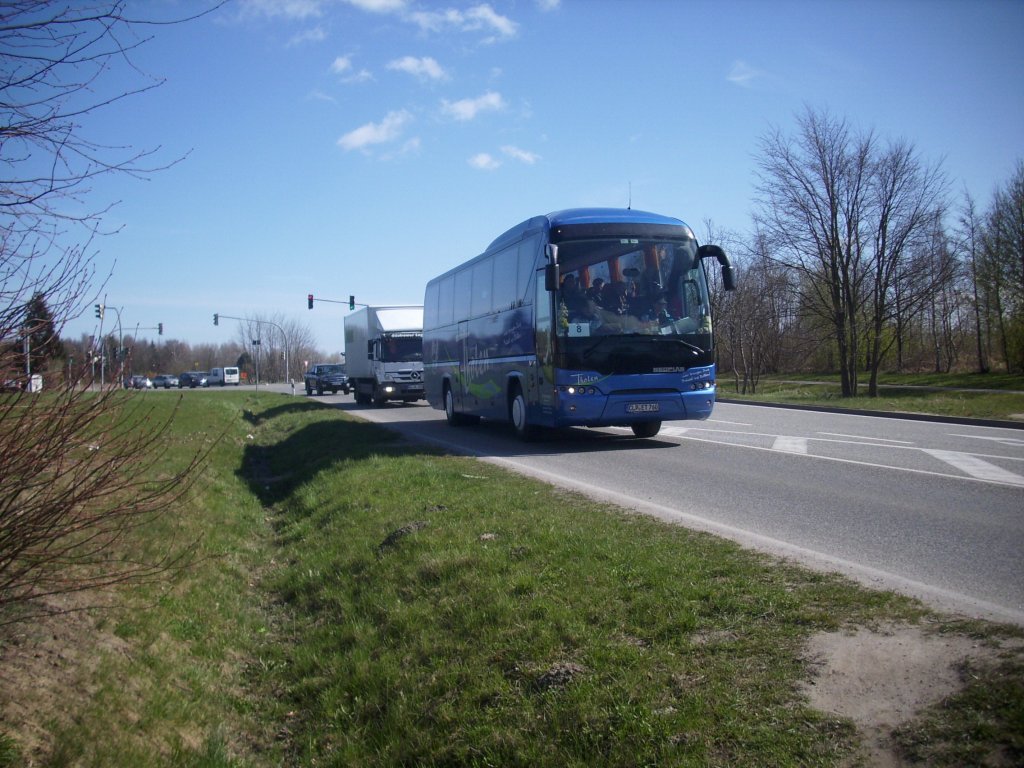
x,y
361,601
964,395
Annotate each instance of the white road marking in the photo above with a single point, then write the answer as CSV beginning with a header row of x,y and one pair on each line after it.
x,y
977,468
790,444
996,475
1014,441
862,437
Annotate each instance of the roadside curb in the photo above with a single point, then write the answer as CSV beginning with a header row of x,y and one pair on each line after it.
x,y
999,423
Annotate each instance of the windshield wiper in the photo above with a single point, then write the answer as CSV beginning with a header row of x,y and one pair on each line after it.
x,y
666,340
593,348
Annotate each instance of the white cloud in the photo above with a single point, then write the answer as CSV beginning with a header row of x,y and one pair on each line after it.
x,y
425,68
486,17
484,162
521,155
479,17
467,109
387,130
343,66
743,74
548,5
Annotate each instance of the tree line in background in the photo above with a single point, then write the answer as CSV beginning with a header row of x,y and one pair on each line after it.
x,y
861,263
285,348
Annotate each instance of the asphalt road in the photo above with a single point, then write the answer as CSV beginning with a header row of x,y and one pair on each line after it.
x,y
934,510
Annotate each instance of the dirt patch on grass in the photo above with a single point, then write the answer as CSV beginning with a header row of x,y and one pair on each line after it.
x,y
48,669
883,678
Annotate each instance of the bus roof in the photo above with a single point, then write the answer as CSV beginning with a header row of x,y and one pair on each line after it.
x,y
570,216
609,216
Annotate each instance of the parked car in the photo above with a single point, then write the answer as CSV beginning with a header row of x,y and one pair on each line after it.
x,y
138,382
192,379
165,380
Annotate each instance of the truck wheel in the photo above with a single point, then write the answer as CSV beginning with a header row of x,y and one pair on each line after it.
x,y
309,391
378,399
319,390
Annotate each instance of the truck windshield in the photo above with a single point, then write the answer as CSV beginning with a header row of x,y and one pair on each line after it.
x,y
402,349
632,286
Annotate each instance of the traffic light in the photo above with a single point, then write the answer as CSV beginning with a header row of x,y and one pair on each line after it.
x,y
99,311
160,329
216,319
351,302
310,298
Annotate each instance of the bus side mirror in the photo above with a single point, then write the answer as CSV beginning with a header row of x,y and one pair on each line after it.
x,y
551,280
729,278
728,272
551,272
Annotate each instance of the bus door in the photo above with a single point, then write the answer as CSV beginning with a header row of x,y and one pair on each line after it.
x,y
544,338
461,388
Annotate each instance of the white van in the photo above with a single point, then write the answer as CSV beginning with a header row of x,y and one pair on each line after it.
x,y
222,376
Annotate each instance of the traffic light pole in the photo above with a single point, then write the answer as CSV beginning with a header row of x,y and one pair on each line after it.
x,y
352,303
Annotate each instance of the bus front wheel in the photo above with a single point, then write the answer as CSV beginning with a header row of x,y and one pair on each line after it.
x,y
449,408
520,420
454,418
646,428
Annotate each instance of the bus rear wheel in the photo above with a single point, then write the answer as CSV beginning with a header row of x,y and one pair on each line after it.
x,y
646,428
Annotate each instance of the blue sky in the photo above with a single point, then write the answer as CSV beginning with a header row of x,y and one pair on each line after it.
x,y
361,147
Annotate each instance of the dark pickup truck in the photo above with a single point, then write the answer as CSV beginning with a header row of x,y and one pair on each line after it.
x,y
326,377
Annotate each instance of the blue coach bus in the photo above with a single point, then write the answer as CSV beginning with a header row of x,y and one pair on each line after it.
x,y
585,317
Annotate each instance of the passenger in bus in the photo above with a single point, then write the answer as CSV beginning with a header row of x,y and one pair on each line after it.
x,y
658,312
614,299
599,320
639,301
594,291
572,295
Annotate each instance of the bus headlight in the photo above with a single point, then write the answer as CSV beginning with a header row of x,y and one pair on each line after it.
x,y
574,390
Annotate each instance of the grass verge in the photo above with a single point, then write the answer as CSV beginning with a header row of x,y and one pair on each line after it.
x,y
362,601
976,396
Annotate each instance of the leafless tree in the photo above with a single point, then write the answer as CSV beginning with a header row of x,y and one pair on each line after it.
x,y
905,204
284,345
75,464
970,246
845,214
1003,267
813,192
752,320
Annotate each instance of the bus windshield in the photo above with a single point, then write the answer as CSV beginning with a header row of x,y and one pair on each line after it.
x,y
633,287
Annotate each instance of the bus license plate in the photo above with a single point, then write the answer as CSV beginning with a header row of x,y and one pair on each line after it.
x,y
642,408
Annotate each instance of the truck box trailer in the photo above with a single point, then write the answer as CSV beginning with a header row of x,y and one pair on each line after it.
x,y
384,354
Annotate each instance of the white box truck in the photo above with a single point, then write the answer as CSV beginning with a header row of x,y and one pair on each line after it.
x,y
384,354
